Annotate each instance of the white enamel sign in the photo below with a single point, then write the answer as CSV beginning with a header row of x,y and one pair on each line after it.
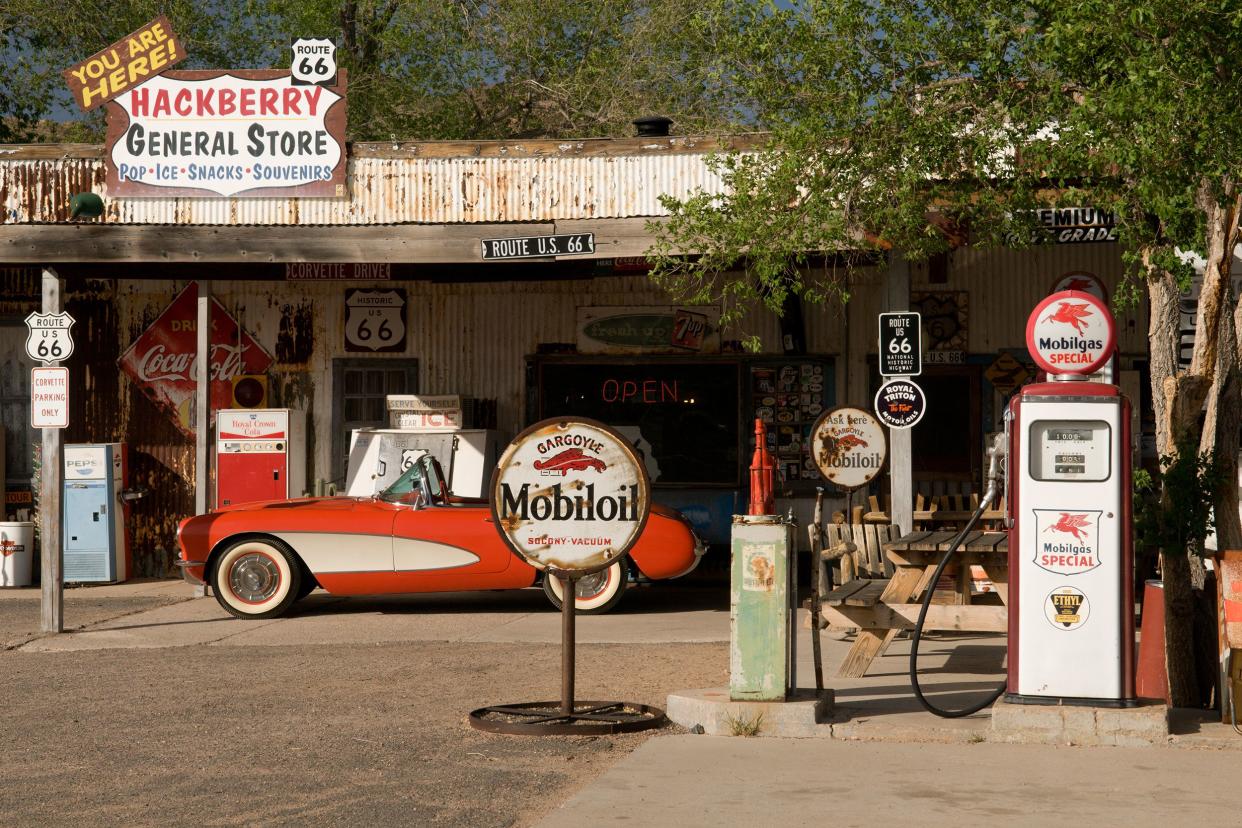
x,y
48,338
1071,332
570,495
848,446
49,397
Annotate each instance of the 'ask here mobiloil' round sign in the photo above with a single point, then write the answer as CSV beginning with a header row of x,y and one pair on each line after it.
x,y
570,495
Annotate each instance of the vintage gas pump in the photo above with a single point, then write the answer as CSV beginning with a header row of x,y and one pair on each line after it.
x,y
1068,509
1071,609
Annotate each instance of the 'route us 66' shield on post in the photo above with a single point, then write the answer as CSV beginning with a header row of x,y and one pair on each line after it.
x,y
570,497
48,339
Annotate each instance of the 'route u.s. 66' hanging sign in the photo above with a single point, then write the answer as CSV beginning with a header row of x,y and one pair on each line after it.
x,y
570,495
1071,332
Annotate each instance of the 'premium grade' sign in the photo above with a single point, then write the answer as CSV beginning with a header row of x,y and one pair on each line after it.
x,y
534,247
570,495
215,133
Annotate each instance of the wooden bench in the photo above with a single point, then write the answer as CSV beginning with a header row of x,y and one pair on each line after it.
x,y
864,568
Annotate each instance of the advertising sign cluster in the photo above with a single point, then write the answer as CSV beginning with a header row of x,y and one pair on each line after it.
x,y
163,363
227,133
570,495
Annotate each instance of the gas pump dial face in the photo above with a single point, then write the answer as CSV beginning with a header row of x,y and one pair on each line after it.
x,y
1071,451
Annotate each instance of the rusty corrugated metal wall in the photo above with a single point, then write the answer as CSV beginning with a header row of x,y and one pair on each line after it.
x,y
386,191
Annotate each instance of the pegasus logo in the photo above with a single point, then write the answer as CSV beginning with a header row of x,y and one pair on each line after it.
x,y
1073,524
1071,313
571,459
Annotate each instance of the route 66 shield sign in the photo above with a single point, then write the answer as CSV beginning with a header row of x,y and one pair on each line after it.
x,y
48,339
314,62
375,320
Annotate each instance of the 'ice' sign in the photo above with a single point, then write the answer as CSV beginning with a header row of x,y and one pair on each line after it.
x,y
901,346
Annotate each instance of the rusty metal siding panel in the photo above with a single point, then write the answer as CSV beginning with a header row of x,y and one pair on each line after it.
x,y
387,191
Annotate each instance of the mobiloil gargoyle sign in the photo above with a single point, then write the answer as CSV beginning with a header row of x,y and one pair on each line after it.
x,y
570,495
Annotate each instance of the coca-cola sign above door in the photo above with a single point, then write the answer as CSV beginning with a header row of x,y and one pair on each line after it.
x,y
162,361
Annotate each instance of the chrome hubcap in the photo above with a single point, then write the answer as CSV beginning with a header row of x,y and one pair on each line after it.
x,y
254,578
591,585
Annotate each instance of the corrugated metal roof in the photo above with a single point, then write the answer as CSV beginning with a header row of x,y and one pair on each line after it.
x,y
387,190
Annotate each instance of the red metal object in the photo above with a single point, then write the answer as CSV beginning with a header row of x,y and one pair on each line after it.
x,y
762,488
1152,682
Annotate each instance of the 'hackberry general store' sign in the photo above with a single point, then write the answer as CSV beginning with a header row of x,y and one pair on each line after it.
x,y
227,133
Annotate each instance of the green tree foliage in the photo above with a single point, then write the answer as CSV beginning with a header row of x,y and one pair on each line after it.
x,y
419,69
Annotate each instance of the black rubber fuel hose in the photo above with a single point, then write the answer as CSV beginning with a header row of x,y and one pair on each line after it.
x,y
918,630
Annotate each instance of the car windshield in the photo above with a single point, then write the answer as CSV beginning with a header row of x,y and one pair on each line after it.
x,y
414,480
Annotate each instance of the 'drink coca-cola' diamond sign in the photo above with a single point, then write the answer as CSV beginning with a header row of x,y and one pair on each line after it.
x,y
163,360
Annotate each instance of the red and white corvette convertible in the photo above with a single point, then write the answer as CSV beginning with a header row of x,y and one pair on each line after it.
x,y
413,537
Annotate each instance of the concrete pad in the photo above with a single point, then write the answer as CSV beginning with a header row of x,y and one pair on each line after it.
x,y
1143,726
802,716
715,782
175,625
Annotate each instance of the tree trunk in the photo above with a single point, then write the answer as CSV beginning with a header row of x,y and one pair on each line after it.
x,y
1178,399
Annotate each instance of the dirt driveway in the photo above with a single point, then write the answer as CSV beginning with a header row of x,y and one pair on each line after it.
x,y
348,734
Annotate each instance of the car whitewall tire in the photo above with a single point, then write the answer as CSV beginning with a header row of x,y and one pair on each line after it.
x,y
597,592
257,578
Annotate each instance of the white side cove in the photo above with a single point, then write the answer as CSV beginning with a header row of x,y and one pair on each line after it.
x,y
1070,534
344,552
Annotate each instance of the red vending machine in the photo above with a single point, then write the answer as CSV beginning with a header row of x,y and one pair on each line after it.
x,y
260,455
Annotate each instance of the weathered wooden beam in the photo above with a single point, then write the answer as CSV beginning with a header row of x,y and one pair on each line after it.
x,y
401,243
51,532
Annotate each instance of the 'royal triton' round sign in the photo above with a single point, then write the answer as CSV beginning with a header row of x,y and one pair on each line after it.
x,y
1071,332
848,446
570,495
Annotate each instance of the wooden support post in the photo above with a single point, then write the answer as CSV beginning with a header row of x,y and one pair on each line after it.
x,y
51,558
900,458
202,403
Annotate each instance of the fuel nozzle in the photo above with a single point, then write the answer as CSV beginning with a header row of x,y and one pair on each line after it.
x,y
996,456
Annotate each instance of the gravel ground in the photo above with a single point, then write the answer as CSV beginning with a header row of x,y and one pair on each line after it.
x,y
323,735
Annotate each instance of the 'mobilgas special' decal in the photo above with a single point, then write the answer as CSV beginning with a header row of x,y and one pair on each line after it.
x,y
1067,542
1067,608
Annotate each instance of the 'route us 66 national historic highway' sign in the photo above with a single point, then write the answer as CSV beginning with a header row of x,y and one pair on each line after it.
x,y
49,339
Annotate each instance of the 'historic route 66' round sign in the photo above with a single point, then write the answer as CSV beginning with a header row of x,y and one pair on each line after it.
x,y
570,495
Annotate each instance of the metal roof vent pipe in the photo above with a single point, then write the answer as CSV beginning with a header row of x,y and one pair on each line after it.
x,y
653,126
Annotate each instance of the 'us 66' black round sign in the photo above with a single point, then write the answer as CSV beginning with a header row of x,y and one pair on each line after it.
x,y
900,403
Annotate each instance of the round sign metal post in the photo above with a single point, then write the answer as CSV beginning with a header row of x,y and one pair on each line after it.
x,y
849,448
570,496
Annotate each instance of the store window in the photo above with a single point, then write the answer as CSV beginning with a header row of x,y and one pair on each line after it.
x,y
682,416
16,435
359,400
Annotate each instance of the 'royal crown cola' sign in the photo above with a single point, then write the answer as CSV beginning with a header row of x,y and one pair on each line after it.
x,y
570,495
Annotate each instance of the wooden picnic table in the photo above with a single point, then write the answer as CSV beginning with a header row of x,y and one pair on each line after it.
x,y
881,608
